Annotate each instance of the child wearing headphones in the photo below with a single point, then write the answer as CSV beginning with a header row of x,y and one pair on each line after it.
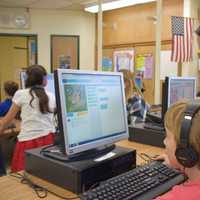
x,y
183,153
37,107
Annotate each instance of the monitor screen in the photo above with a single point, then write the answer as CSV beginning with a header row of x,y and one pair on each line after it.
x,y
50,82
181,88
23,78
50,87
93,110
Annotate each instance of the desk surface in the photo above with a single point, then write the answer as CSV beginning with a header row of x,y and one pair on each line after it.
x,y
12,189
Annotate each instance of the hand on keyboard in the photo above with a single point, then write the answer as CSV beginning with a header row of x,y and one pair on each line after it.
x,y
162,158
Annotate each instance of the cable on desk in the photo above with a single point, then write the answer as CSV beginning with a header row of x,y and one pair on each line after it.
x,y
41,192
45,149
147,158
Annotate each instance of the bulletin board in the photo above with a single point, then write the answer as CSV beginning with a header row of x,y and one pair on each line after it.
x,y
64,52
124,59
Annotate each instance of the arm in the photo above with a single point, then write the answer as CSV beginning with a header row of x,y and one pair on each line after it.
x,y
9,117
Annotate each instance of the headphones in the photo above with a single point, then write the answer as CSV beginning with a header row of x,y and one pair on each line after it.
x,y
186,155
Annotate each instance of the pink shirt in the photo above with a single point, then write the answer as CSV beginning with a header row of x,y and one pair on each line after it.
x,y
186,191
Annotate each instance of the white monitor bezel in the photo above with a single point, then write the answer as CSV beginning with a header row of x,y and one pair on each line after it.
x,y
97,143
179,78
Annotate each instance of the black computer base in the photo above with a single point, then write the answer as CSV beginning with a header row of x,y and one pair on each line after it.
x,y
55,152
79,175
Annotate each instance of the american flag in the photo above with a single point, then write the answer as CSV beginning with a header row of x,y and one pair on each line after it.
x,y
182,30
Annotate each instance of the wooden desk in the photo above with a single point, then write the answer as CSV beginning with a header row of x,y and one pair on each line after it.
x,y
12,189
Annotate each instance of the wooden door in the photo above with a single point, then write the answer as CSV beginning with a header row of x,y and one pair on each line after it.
x,y
13,57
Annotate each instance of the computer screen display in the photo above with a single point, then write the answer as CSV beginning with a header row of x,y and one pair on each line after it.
x,y
23,78
50,87
92,107
181,88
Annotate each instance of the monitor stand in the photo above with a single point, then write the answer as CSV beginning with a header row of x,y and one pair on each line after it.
x,y
55,152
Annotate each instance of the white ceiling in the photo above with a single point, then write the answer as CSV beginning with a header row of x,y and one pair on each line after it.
x,y
47,4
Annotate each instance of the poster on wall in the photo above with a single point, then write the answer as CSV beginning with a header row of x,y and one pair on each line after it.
x,y
124,59
167,67
107,64
64,62
148,72
140,63
144,65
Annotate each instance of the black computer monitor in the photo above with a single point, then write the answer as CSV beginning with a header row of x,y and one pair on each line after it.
x,y
175,89
91,109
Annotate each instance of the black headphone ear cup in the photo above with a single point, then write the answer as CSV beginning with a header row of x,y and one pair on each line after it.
x,y
187,156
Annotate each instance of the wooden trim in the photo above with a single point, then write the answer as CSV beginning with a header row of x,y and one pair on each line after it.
x,y
51,48
18,34
139,44
179,69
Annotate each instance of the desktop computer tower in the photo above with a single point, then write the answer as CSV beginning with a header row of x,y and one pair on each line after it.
x,y
79,176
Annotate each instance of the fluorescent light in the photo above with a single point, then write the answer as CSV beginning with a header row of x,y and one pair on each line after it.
x,y
115,4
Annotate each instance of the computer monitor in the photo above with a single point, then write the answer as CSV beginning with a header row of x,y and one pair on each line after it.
x,y
91,109
177,88
23,78
50,87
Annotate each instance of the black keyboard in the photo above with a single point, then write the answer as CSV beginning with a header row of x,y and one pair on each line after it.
x,y
142,183
154,126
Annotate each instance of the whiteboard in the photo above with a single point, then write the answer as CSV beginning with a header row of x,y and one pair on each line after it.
x,y
167,68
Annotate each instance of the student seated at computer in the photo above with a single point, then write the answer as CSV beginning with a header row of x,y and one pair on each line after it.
x,y
10,87
37,107
136,105
190,190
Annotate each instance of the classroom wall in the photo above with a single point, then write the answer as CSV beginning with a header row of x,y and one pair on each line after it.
x,y
134,24
46,22
134,27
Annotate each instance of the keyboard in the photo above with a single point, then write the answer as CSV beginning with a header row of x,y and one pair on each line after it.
x,y
142,183
153,117
154,126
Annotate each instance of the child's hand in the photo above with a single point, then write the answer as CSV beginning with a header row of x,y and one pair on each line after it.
x,y
1,127
163,158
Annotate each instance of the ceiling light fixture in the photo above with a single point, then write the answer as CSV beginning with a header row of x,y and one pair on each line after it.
x,y
116,4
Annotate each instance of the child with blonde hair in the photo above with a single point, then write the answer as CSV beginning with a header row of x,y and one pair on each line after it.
x,y
175,116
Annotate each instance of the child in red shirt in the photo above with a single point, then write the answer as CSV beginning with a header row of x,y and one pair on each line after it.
x,y
190,190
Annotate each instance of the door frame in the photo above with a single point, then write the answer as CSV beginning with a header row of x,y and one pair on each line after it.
x,y
23,35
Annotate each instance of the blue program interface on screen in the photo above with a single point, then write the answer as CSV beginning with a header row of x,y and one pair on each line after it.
x,y
94,107
50,87
181,89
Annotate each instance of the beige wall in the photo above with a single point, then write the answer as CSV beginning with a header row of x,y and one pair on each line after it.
x,y
47,22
